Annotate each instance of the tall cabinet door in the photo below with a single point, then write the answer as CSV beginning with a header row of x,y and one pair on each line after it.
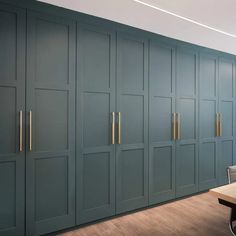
x,y
227,111
162,107
50,165
12,97
208,107
132,103
95,168
186,106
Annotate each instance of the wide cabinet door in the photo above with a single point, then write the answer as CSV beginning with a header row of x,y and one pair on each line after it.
x,y
162,107
132,123
227,112
12,97
187,108
50,158
95,168
208,107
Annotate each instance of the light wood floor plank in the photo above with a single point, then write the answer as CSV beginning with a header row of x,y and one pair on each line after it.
x,y
199,215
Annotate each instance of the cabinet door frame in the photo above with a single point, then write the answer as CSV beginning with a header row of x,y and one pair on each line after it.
x,y
137,202
17,157
232,138
208,183
50,224
189,188
84,215
161,196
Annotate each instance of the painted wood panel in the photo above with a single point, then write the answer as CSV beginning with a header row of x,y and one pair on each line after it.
x,y
208,107
50,165
95,188
132,102
187,107
12,96
162,106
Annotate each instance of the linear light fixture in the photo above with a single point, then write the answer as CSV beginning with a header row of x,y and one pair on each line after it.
x,y
185,18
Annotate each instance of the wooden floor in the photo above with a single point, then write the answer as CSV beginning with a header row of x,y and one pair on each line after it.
x,y
199,215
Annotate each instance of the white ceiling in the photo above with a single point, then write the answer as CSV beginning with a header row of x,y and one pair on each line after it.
x,y
210,13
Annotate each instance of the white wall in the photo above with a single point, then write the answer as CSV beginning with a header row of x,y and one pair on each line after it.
x,y
220,15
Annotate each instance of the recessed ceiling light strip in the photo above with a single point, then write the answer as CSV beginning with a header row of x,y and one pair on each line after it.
x,y
185,18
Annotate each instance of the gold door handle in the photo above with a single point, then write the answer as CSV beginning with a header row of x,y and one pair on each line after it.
x,y
178,126
119,128
217,125
220,125
174,126
113,128
21,131
30,131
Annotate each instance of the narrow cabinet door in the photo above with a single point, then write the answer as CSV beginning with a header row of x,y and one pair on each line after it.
x,y
132,123
162,107
95,185
50,160
227,114
12,108
186,107
208,107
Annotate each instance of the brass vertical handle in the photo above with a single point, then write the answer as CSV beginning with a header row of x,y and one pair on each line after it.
x,y
21,131
216,125
220,125
119,128
113,128
30,130
178,126
174,126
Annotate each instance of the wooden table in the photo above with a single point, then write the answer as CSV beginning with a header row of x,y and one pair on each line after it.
x,y
227,196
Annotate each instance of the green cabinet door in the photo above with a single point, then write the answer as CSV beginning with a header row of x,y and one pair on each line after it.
x,y
12,97
50,165
95,153
132,103
187,107
227,111
161,109
208,107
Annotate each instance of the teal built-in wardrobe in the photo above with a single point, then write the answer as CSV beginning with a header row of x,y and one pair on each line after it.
x,y
98,118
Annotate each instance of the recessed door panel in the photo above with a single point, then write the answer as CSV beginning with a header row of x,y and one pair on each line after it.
x,y
161,119
51,201
8,195
227,118
132,119
51,121
8,45
96,176
186,73
132,167
207,76
51,52
207,118
161,73
226,80
207,165
187,111
186,175
12,101
131,64
95,122
96,46
226,159
132,103
51,99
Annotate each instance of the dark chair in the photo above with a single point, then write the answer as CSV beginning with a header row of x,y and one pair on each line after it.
x,y
231,170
